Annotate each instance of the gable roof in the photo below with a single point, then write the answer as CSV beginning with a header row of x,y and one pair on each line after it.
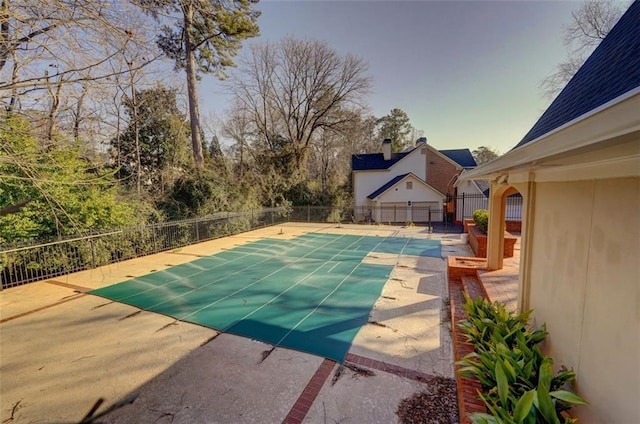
x,y
612,70
375,161
483,186
387,186
462,157
372,161
396,180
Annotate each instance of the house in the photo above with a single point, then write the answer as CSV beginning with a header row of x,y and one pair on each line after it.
x,y
578,170
411,186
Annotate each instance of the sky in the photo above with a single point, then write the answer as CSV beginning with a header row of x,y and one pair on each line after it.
x,y
467,73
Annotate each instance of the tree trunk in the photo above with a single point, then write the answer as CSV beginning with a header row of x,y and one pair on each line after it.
x,y
77,118
5,43
53,111
136,134
192,88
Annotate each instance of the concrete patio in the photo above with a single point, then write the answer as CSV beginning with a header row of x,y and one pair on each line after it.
x,y
63,349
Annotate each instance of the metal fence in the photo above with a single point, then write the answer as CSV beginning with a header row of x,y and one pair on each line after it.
x,y
22,265
433,218
466,204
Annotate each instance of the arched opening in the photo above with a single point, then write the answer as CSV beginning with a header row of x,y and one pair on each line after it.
x,y
505,206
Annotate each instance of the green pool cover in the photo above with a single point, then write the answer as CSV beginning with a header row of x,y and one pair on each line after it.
x,y
311,293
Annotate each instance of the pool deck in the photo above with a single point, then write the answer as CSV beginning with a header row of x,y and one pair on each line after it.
x,y
62,349
502,285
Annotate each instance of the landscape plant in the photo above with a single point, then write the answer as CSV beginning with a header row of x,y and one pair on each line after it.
x,y
481,218
519,385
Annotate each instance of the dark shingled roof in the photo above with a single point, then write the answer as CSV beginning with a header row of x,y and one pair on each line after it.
x,y
612,70
374,161
387,186
462,157
483,185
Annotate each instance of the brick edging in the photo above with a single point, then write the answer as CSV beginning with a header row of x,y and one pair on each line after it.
x,y
302,405
389,368
467,388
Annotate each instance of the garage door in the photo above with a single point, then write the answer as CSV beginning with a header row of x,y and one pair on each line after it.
x,y
393,212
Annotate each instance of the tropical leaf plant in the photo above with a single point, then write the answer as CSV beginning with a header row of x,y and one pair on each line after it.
x,y
519,385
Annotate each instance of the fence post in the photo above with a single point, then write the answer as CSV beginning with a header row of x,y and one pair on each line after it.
x,y
93,253
445,211
463,209
308,213
197,230
155,238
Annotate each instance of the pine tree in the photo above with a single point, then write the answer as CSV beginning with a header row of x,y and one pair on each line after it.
x,y
204,40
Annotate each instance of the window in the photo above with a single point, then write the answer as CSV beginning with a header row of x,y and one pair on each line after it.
x,y
409,185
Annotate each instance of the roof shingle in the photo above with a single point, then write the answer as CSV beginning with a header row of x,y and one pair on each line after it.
x,y
612,70
371,161
462,157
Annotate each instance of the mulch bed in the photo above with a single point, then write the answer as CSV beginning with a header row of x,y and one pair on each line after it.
x,y
437,404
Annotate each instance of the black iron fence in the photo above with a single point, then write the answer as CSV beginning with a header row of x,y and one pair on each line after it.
x,y
20,265
433,217
466,204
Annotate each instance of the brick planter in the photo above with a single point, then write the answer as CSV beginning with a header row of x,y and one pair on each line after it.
x,y
458,267
478,242
514,226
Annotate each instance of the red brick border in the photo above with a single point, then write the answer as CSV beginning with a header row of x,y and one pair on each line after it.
x,y
309,394
467,388
389,368
301,407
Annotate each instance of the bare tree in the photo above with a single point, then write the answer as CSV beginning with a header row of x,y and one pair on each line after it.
x,y
292,90
485,154
591,24
238,129
66,37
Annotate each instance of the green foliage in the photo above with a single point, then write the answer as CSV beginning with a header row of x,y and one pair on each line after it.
x,y
163,140
481,218
397,127
217,30
68,194
518,381
198,193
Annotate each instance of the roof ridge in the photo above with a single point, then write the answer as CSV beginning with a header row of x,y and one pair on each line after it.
x,y
612,70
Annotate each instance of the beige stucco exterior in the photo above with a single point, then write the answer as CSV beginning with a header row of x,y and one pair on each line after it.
x,y
584,283
580,250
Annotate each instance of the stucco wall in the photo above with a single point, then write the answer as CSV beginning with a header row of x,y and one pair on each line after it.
x,y
585,284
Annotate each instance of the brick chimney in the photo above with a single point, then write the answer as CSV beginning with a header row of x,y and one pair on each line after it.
x,y
386,149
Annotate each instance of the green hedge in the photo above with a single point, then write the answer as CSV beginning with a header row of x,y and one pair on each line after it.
x,y
481,218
